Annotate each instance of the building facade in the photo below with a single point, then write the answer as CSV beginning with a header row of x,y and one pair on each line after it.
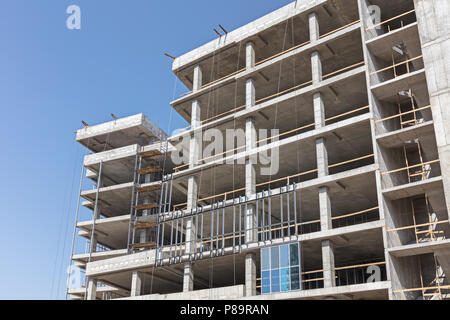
x,y
316,165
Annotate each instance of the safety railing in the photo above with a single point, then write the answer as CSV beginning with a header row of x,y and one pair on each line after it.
x,y
274,56
347,275
362,273
288,179
285,134
211,236
388,22
299,86
424,231
394,68
403,114
425,170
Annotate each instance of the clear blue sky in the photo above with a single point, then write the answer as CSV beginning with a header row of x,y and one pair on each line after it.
x,y
51,78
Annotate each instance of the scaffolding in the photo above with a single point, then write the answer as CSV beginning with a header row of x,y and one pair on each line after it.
x,y
146,199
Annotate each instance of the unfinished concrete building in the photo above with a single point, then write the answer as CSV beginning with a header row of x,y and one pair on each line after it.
x,y
357,207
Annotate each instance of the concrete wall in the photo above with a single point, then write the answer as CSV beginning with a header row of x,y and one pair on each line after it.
x,y
434,29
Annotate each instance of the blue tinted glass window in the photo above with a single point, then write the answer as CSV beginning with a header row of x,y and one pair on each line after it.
x,y
274,258
295,278
280,268
275,280
285,280
265,282
265,259
284,256
294,254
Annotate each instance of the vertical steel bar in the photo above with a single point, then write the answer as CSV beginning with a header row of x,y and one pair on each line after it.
x,y
288,199
201,235
270,215
240,225
196,233
263,217
223,227
295,210
92,246
83,170
217,228
211,231
132,199
234,226
281,213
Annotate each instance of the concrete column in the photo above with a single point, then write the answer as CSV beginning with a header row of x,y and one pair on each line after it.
x,y
329,274
195,152
188,278
250,274
191,204
316,67
251,233
314,33
250,181
92,289
322,157
197,79
136,284
250,93
325,209
319,110
249,55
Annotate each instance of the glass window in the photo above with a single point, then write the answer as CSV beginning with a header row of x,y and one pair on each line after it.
x,y
265,282
284,256
285,280
280,268
274,258
294,254
265,259
275,280
295,278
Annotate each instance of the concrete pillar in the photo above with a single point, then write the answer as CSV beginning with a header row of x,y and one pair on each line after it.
x,y
92,289
136,284
250,181
319,110
249,55
250,274
325,209
434,28
197,79
188,278
192,197
329,274
314,33
251,233
316,67
322,157
195,152
250,96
